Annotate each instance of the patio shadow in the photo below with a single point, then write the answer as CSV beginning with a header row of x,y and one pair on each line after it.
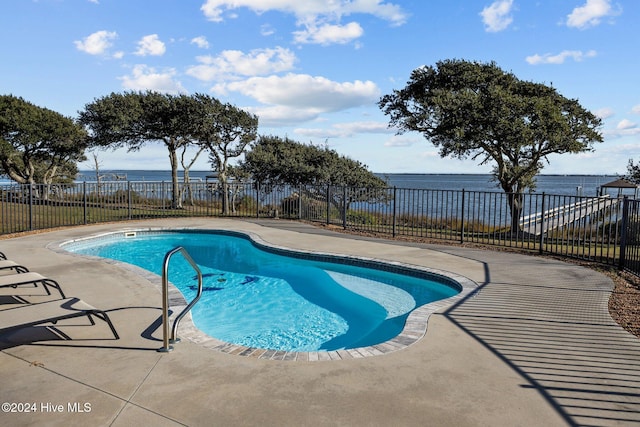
x,y
560,338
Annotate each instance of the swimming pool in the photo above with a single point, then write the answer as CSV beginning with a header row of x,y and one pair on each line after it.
x,y
260,296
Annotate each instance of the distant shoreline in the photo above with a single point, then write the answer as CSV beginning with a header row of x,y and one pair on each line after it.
x,y
557,184
85,172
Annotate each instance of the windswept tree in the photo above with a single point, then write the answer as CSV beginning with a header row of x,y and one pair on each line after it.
x,y
477,110
274,161
133,119
225,131
633,172
38,145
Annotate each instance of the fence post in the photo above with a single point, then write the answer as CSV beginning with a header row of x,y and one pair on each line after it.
x,y
31,207
393,224
257,204
300,201
84,202
463,218
344,207
129,199
162,196
623,233
542,217
328,193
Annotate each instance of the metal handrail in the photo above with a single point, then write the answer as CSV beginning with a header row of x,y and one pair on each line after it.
x,y
166,347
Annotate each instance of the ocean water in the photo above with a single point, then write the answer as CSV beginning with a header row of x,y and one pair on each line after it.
x,y
571,185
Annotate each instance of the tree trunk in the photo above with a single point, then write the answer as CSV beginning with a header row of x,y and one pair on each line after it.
x,y
187,188
16,177
515,207
186,168
47,180
224,185
176,203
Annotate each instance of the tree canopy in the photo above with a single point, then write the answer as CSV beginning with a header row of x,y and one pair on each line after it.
x,y
633,172
133,119
477,110
225,131
38,145
274,161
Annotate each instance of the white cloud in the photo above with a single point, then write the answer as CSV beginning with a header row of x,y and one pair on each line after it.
x,y
604,113
308,9
590,14
611,134
305,91
346,130
201,42
150,45
629,150
267,30
626,124
282,115
318,133
97,43
435,155
624,128
560,58
320,18
144,77
364,127
497,16
231,64
636,109
328,34
402,141
296,98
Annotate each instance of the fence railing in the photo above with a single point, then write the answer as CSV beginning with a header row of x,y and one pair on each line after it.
x,y
602,229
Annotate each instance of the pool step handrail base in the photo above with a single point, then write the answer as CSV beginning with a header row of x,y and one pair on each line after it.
x,y
166,340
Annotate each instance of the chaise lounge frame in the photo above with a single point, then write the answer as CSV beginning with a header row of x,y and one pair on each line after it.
x,y
15,280
50,312
11,265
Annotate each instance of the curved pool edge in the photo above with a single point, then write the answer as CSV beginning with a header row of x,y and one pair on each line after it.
x,y
414,329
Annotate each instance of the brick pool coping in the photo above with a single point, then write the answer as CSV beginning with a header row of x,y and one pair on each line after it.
x,y
415,326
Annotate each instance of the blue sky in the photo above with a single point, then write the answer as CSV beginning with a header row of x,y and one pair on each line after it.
x,y
314,70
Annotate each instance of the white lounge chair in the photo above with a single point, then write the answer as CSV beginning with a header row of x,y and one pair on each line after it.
x,y
15,280
10,265
50,312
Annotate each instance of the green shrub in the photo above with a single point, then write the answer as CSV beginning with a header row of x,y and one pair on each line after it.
x,y
361,218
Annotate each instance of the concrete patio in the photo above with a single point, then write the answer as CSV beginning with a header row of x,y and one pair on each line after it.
x,y
534,346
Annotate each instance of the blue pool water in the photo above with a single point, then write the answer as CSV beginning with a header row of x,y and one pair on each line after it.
x,y
258,297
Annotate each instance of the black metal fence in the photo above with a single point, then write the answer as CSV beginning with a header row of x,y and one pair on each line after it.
x,y
602,229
